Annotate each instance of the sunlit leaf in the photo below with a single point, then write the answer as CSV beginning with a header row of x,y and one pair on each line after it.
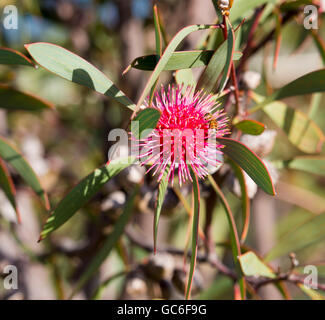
x,y
74,68
13,157
253,266
302,132
243,8
82,193
248,161
313,294
12,99
311,164
185,78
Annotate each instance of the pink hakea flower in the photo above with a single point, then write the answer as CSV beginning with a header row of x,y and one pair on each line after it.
x,y
185,134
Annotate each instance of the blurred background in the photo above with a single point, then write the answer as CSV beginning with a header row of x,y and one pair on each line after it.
x,y
65,144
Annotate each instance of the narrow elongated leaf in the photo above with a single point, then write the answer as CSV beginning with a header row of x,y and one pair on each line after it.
x,y
10,155
253,266
313,294
208,79
243,8
179,60
8,187
12,99
230,53
250,162
309,83
195,231
294,5
234,239
252,127
110,242
147,121
296,239
158,34
160,200
302,132
311,164
82,193
13,57
172,46
74,68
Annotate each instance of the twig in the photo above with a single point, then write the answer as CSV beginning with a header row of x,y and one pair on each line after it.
x,y
255,283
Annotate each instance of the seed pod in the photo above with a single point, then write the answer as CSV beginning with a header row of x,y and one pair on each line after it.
x,y
160,267
180,281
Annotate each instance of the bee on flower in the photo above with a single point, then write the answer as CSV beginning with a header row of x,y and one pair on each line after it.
x,y
185,136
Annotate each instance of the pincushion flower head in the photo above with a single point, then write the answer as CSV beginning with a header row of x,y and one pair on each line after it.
x,y
185,136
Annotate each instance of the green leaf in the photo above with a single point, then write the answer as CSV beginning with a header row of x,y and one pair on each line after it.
x,y
109,243
147,121
294,5
253,266
313,294
82,193
248,161
307,84
297,240
234,239
12,99
243,8
172,46
230,53
208,79
8,187
160,200
185,78
179,60
311,164
74,68
13,57
9,154
252,127
195,231
302,132
157,31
